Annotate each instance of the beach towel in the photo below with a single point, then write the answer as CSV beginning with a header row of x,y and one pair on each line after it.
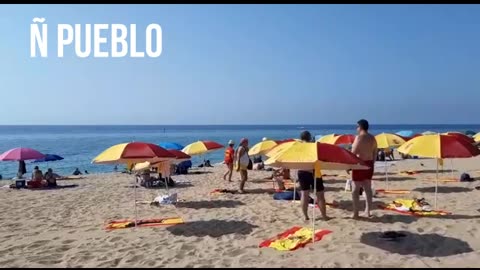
x,y
394,191
130,223
411,207
442,180
293,238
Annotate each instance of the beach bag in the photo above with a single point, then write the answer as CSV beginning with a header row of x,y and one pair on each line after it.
x,y
465,177
250,164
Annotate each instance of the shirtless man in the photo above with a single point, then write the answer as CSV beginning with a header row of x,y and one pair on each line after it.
x,y
365,147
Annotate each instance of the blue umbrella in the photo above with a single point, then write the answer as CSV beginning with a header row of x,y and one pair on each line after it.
x,y
405,133
49,157
171,146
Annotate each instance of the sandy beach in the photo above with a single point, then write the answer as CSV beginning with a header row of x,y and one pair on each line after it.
x,y
64,227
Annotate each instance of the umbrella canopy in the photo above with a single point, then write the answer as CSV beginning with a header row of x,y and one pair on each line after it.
x,y
262,147
305,156
405,133
48,158
133,152
388,140
328,137
171,146
179,155
201,147
20,154
461,136
439,146
341,139
477,137
469,132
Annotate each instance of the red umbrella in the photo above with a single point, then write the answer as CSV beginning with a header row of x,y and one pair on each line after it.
x,y
343,139
21,153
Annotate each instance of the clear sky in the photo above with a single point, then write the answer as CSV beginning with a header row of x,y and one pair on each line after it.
x,y
251,64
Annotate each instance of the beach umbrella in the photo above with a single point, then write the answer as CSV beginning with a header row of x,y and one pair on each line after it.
x,y
405,133
201,147
469,132
131,153
315,156
326,138
21,154
262,147
171,146
48,158
477,137
344,139
439,147
179,156
388,141
460,136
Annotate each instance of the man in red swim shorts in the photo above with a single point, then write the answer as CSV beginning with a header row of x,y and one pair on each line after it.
x,y
365,147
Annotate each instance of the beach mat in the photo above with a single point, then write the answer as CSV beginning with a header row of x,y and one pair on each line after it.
x,y
391,207
293,238
392,191
154,222
443,180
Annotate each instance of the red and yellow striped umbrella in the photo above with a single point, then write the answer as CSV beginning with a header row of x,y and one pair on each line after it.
x,y
341,139
439,146
201,147
133,152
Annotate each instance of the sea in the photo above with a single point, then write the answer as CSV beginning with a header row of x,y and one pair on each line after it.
x,y
78,145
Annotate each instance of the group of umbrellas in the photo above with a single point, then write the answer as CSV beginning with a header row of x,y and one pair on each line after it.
x,y
22,154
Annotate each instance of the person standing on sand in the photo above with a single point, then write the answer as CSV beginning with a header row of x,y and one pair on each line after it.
x,y
228,159
241,163
364,147
306,179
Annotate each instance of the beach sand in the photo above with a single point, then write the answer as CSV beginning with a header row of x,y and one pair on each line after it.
x,y
64,228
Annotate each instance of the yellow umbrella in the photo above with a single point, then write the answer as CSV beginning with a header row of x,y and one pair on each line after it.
x,y
477,137
439,147
279,148
387,141
262,147
304,155
327,138
201,147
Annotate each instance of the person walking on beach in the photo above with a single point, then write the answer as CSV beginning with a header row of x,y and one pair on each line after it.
x,y
364,147
228,159
242,161
306,179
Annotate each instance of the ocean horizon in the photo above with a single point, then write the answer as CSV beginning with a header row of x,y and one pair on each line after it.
x,y
79,144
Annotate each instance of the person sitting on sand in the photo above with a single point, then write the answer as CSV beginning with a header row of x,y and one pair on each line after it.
x,y
77,172
51,178
278,178
37,179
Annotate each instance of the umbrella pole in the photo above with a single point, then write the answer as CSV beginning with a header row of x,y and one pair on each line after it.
x,y
451,169
314,206
436,187
386,173
135,196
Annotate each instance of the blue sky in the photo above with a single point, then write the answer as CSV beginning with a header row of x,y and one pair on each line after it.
x,y
251,64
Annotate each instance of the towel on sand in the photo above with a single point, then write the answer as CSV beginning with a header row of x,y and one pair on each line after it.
x,y
130,223
293,238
